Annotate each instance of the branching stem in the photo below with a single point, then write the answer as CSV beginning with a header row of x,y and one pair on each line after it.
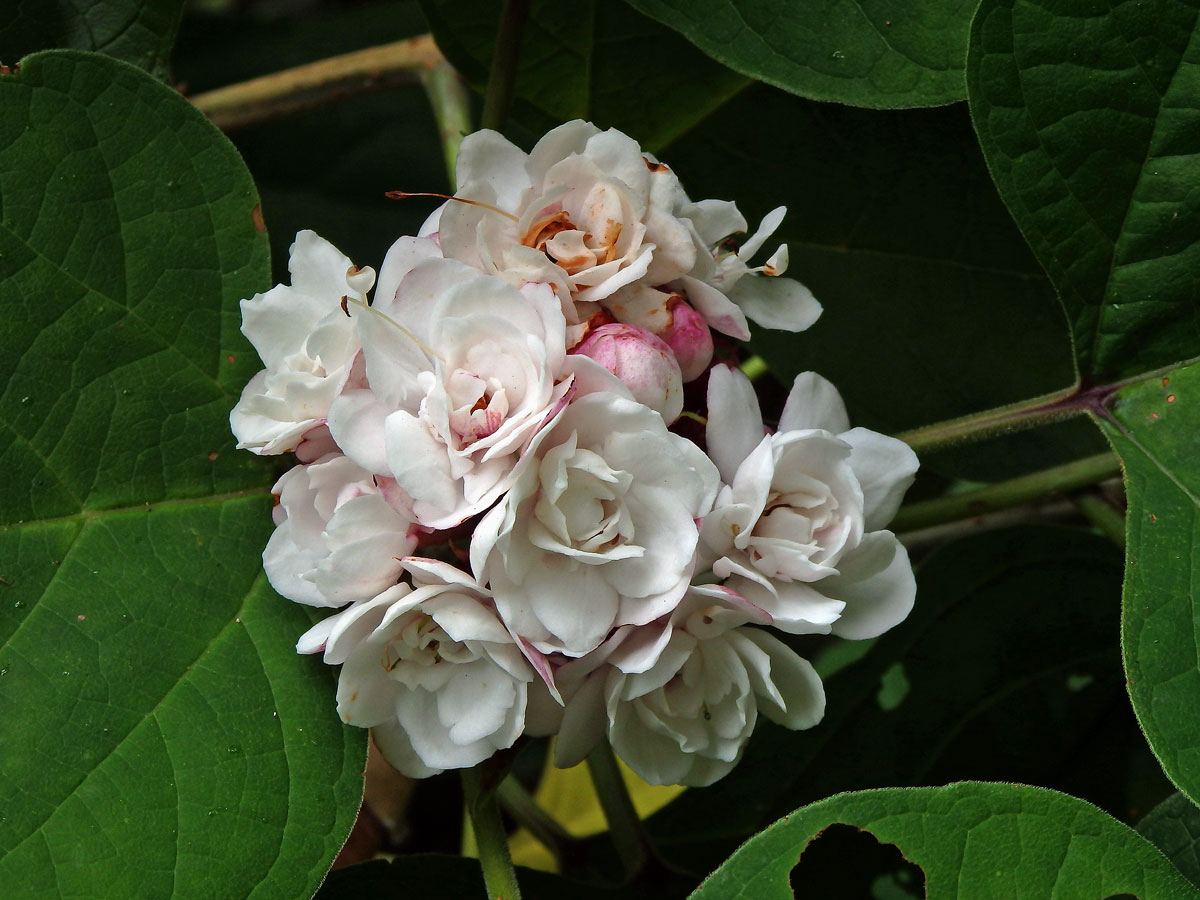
x,y
1007,494
280,93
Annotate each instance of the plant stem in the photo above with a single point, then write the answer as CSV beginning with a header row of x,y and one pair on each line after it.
x,y
1103,516
755,367
498,874
503,74
1003,419
451,107
517,803
280,93
623,822
1006,494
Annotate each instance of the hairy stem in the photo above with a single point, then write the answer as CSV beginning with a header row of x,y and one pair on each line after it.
x,y
993,422
517,803
499,876
503,74
1007,494
280,93
451,107
623,822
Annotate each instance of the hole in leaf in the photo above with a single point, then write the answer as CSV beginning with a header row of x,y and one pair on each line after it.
x,y
846,863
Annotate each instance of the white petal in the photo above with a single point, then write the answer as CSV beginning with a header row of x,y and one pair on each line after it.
x,y
814,402
877,585
735,425
885,468
766,228
788,689
780,303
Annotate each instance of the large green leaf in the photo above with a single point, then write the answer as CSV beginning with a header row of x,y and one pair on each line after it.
x,y
1087,117
1155,427
933,305
591,60
1174,828
1011,646
161,737
972,840
883,54
138,31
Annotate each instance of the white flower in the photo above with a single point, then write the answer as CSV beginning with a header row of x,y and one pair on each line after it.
x,y
598,528
430,668
307,344
798,526
682,696
338,537
725,289
584,201
460,370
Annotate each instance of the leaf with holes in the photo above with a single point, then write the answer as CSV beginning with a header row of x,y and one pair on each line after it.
x,y
141,32
1154,425
877,53
1087,118
962,689
161,737
971,840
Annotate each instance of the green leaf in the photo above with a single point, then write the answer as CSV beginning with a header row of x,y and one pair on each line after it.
x,y
882,54
972,840
161,736
1153,426
594,60
1087,116
933,305
136,31
1011,645
1174,827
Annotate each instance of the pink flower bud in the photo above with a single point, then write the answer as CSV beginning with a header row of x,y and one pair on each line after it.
x,y
643,362
688,336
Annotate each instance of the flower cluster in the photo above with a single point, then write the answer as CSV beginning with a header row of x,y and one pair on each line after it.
x,y
510,399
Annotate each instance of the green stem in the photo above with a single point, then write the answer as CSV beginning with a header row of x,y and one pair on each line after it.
x,y
1107,520
451,108
1006,494
623,822
499,876
755,367
503,74
312,84
517,803
993,422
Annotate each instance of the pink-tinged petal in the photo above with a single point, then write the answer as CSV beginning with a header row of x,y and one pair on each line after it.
x,y
689,338
885,468
780,303
721,313
643,362
735,425
314,640
877,585
814,403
